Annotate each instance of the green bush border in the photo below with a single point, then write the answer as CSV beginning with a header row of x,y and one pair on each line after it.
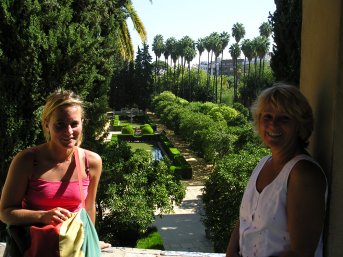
x,y
178,162
150,240
144,119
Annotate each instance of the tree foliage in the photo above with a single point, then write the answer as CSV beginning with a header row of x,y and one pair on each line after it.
x,y
133,187
213,130
286,22
47,45
132,83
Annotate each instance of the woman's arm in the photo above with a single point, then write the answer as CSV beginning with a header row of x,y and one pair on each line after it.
x,y
233,246
305,208
95,169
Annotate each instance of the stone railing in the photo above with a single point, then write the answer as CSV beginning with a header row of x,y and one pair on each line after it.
x,y
135,252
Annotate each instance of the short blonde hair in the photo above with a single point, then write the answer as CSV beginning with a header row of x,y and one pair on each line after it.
x,y
55,100
288,99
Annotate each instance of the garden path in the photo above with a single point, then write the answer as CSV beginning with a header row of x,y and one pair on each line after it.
x,y
183,230
201,169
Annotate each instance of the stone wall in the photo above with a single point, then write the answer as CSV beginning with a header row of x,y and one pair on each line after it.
x,y
134,252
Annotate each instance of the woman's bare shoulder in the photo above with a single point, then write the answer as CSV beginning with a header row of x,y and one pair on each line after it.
x,y
26,156
308,172
94,159
23,162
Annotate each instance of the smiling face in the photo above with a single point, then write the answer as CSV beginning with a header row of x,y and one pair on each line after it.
x,y
278,129
284,103
65,126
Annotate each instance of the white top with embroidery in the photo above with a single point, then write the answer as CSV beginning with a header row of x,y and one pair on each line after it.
x,y
263,218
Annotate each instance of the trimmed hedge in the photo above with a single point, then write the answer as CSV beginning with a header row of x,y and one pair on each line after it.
x,y
211,129
178,163
117,125
128,129
174,151
146,129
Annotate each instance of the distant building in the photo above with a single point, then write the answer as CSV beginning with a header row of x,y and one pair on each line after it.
x,y
227,65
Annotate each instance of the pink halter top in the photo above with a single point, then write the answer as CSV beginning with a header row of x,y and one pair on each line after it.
x,y
45,195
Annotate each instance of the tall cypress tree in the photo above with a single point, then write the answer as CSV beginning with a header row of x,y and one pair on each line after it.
x,y
286,22
143,77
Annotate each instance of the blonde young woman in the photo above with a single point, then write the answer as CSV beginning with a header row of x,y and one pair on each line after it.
x,y
283,207
42,182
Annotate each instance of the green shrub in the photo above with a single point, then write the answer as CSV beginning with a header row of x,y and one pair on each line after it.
x,y
132,187
171,116
195,106
146,129
215,141
191,122
207,107
242,109
116,121
223,192
127,129
182,172
217,116
245,137
152,240
174,151
160,106
116,124
164,96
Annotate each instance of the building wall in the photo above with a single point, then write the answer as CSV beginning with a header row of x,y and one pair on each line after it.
x,y
322,83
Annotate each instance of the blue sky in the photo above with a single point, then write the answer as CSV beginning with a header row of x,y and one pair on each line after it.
x,y
199,18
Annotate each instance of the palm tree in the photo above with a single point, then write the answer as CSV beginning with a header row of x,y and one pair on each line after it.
x,y
214,37
217,50
235,51
248,51
157,48
200,47
262,49
185,43
166,55
265,29
174,53
255,43
207,45
238,31
225,38
169,45
180,56
190,53
124,37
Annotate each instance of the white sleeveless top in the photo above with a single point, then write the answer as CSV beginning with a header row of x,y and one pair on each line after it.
x,y
263,218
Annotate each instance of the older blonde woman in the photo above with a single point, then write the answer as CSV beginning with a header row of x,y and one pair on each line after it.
x,y
283,207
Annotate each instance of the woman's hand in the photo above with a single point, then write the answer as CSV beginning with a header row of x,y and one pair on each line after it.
x,y
233,245
104,245
56,216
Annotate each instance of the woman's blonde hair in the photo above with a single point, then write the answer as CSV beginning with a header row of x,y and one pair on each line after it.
x,y
288,99
55,100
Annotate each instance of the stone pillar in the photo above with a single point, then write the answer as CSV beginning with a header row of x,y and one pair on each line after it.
x,y
321,81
